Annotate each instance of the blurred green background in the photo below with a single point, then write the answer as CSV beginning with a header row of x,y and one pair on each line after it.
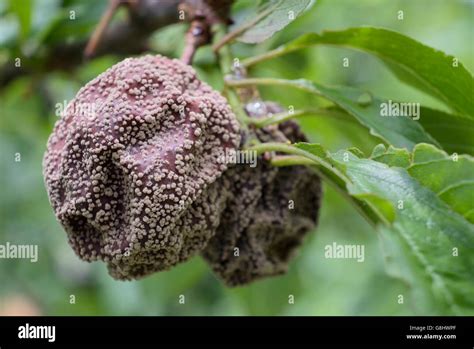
x,y
320,286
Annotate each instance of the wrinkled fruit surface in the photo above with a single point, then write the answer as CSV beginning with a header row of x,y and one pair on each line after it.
x,y
129,182
134,174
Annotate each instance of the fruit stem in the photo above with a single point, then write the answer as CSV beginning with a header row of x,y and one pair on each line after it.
x,y
290,160
196,36
225,62
287,115
325,170
262,57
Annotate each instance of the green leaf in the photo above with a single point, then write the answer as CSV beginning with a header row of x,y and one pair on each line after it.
x,y
426,153
357,152
276,15
449,177
397,130
423,67
383,207
331,172
453,132
425,231
393,157
22,9
429,230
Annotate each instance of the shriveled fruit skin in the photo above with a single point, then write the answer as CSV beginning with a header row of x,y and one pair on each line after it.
x,y
131,181
268,215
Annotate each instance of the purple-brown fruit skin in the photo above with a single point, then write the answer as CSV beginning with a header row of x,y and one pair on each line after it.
x,y
261,229
131,183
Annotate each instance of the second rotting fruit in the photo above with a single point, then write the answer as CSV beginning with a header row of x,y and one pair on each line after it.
x,y
270,212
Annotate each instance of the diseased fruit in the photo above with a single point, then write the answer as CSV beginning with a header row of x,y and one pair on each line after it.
x,y
130,182
138,180
267,216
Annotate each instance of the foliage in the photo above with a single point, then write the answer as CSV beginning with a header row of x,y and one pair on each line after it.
x,y
414,193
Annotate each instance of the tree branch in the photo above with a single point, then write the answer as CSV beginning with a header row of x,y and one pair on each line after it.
x,y
124,38
101,27
197,35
